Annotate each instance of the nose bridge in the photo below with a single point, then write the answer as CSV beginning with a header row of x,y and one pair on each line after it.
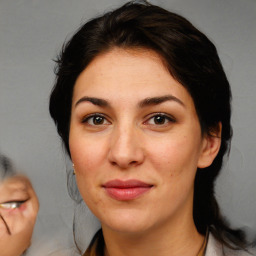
x,y
125,147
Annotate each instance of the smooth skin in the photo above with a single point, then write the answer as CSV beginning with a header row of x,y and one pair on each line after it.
x,y
131,119
17,224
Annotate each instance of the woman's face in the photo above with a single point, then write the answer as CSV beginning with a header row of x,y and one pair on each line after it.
x,y
135,141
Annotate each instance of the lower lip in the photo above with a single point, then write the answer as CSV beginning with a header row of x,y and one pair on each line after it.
x,y
126,194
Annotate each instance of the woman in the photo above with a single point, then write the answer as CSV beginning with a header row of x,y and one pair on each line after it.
x,y
18,210
142,104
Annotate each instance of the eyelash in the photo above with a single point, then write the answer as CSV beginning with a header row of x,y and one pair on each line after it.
x,y
92,116
12,204
166,117
103,118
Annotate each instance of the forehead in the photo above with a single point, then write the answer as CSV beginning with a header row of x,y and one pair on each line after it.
x,y
123,73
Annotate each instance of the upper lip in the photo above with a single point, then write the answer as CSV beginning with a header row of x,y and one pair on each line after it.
x,y
131,183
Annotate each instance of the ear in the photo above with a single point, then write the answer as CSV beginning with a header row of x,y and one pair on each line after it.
x,y
210,147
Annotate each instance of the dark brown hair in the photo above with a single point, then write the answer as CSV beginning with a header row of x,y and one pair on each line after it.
x,y
6,167
191,59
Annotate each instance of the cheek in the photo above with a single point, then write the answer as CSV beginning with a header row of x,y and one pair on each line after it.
x,y
85,153
88,158
175,156
175,165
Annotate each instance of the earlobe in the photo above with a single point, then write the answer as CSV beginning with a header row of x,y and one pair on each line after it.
x,y
210,147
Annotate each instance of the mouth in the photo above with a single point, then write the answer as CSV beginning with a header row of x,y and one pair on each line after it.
x,y
126,190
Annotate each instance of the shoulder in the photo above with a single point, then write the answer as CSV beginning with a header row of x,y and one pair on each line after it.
x,y
214,248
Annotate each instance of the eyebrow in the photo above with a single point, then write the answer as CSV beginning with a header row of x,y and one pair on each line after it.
x,y
143,103
159,100
95,101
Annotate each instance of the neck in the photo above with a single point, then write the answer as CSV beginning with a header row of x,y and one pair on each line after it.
x,y
173,239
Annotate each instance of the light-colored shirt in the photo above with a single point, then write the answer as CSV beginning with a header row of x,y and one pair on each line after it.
x,y
215,248
211,247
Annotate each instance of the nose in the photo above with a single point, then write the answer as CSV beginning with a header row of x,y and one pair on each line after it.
x,y
126,148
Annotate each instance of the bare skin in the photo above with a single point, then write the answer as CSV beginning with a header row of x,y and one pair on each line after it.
x,y
131,120
18,209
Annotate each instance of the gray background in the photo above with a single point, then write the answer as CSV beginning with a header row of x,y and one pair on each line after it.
x,y
31,34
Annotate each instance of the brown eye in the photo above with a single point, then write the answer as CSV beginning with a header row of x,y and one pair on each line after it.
x,y
159,119
96,119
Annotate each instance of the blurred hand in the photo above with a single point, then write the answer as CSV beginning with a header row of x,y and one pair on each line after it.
x,y
18,210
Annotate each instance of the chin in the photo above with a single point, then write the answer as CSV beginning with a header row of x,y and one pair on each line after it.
x,y
127,223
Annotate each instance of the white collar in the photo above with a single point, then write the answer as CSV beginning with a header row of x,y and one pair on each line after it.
x,y
215,248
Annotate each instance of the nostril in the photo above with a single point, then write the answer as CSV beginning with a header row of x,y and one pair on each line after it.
x,y
113,163
124,164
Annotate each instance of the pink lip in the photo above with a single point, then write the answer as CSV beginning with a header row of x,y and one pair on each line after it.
x,y
126,190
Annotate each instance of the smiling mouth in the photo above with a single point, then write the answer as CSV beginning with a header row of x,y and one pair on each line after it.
x,y
126,190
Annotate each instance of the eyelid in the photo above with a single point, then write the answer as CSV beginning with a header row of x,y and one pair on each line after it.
x,y
12,204
87,117
167,116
